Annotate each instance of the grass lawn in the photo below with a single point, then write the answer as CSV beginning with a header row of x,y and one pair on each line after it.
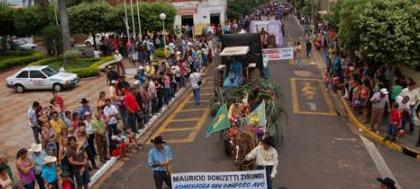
x,y
79,63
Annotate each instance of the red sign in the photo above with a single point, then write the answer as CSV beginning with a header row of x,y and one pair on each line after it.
x,y
189,11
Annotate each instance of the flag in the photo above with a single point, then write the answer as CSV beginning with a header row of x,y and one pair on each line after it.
x,y
220,121
257,117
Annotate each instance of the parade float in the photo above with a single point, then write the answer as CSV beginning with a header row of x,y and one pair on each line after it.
x,y
246,106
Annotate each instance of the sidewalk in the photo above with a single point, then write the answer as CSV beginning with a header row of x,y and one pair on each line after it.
x,y
405,144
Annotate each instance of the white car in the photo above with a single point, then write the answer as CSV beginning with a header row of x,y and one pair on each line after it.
x,y
98,40
41,77
21,44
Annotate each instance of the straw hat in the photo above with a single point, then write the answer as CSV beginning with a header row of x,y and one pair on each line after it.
x,y
50,159
35,147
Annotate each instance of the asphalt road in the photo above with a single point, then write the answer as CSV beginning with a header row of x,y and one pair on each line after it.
x,y
320,149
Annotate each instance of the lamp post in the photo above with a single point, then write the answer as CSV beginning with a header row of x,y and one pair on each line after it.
x,y
162,17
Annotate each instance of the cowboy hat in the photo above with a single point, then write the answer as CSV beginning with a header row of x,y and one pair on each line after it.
x,y
158,140
384,91
388,182
35,147
50,159
84,100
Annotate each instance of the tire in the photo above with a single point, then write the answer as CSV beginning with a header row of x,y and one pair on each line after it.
x,y
19,88
57,87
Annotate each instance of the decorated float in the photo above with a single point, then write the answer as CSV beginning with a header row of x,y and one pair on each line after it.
x,y
246,105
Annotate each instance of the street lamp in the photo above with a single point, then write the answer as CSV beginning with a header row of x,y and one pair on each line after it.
x,y
162,17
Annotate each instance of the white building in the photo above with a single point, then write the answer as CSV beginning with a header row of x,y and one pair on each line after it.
x,y
199,13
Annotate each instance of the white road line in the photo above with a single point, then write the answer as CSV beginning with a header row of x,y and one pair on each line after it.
x,y
379,161
312,106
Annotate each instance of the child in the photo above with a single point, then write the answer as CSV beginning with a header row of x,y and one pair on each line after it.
x,y
132,141
119,145
66,180
49,172
394,122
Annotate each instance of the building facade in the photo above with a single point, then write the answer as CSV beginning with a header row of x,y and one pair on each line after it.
x,y
200,13
197,13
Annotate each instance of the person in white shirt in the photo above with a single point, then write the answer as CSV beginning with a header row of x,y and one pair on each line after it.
x,y
195,80
110,112
414,98
119,59
96,53
266,157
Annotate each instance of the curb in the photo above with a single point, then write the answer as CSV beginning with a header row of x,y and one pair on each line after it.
x,y
376,137
108,165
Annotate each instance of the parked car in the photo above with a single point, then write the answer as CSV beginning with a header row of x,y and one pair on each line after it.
x,y
41,77
21,44
98,40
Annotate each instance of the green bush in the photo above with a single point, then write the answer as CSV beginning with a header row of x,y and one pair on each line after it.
x,y
20,61
71,55
92,70
159,53
46,61
82,72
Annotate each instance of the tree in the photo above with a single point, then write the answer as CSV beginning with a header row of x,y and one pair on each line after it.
x,y
30,21
64,23
88,18
52,39
384,31
387,32
7,21
149,13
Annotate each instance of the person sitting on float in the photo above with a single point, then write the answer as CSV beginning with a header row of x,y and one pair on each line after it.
x,y
234,77
236,110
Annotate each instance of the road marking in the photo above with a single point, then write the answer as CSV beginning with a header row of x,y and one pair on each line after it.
x,y
206,94
179,129
193,110
308,90
295,101
312,106
346,139
379,161
185,120
201,101
199,121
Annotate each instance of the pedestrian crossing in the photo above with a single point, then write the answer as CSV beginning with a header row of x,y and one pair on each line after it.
x,y
186,121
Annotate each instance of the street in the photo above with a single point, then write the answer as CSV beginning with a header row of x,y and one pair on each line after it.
x,y
320,150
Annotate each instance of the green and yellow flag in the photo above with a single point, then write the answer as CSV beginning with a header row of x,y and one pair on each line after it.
x,y
257,117
220,121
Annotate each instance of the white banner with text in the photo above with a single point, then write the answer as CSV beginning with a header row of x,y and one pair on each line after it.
x,y
238,180
279,53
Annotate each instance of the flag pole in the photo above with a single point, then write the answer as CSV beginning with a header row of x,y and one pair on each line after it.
x,y
126,22
138,18
132,17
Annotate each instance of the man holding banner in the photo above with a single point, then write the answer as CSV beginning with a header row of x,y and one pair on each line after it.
x,y
265,156
160,160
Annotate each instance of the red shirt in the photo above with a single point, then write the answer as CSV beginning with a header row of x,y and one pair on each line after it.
x,y
131,102
395,117
60,102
